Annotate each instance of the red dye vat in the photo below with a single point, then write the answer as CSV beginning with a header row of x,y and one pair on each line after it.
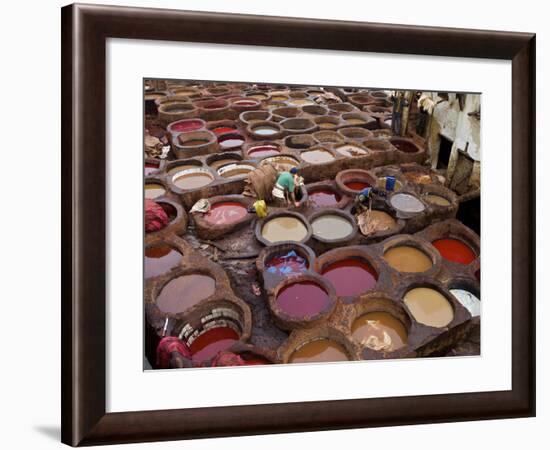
x,y
324,197
288,264
209,343
160,259
302,299
187,125
263,151
454,250
224,213
150,168
357,185
222,130
351,276
255,360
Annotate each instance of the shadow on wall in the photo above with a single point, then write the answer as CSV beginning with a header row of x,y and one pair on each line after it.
x,y
50,431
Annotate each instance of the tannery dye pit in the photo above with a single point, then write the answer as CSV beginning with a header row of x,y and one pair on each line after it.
x,y
308,224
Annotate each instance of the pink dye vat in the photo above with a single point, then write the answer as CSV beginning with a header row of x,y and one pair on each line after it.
x,y
302,299
225,213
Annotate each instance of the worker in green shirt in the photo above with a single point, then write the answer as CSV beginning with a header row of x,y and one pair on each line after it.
x,y
283,191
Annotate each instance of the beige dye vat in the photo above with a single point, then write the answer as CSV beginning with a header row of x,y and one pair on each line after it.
x,y
429,307
326,125
406,258
235,170
192,179
317,156
154,190
355,121
331,227
300,102
436,200
284,228
319,350
351,150
379,331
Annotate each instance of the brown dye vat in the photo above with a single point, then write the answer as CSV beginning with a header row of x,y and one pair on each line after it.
x,y
159,259
185,291
154,190
192,179
180,168
297,125
315,110
429,307
284,228
377,221
418,177
437,200
317,156
406,258
327,137
342,107
355,133
286,112
299,141
319,350
379,331
195,142
249,117
327,122
404,145
378,145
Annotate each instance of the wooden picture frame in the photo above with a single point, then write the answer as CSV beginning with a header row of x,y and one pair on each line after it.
x,y
85,29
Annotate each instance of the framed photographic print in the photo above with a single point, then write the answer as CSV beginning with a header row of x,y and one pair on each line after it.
x,y
280,224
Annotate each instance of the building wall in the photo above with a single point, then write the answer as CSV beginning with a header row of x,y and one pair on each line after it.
x,y
455,124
